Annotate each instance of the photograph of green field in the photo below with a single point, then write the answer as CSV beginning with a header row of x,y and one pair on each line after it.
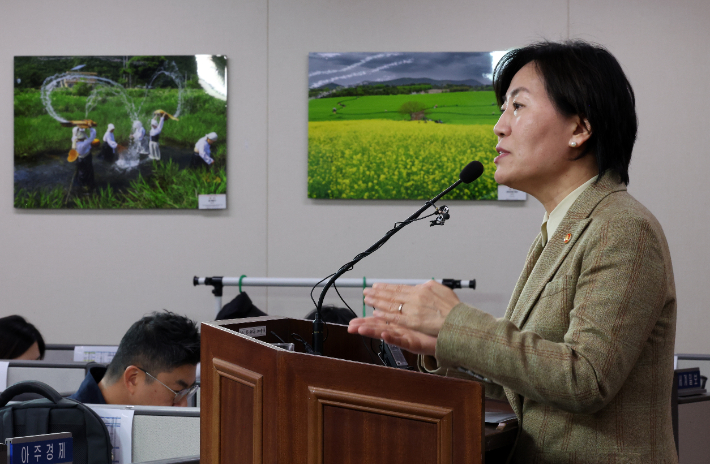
x,y
119,132
400,125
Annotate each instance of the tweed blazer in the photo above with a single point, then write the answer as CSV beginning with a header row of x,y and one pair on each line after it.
x,y
584,353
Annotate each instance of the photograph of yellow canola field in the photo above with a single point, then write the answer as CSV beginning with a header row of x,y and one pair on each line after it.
x,y
400,125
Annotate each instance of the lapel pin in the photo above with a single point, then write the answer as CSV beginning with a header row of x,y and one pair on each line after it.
x,y
567,238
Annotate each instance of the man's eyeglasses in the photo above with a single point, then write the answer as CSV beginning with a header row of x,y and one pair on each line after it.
x,y
179,395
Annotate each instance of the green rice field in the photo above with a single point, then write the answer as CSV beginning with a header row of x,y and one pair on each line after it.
x,y
367,149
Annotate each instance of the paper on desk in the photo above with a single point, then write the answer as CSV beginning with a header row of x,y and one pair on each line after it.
x,y
119,423
99,354
4,365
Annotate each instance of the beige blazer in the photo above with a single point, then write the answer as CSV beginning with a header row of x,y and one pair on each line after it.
x,y
584,353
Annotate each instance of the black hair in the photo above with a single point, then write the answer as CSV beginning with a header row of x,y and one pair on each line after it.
x,y
159,342
17,336
330,313
586,80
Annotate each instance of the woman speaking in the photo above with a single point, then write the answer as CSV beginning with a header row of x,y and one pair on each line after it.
x,y
584,353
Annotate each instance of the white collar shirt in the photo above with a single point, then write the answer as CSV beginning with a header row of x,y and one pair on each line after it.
x,y
550,222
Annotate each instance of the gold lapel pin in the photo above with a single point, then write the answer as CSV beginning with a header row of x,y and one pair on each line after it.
x,y
567,238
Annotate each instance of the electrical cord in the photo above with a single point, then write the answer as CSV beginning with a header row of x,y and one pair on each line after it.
x,y
306,345
370,351
349,266
316,285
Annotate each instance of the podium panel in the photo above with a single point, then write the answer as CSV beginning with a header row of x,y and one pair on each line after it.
x,y
262,404
347,428
237,389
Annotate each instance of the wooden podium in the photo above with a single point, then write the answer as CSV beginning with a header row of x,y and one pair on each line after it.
x,y
263,404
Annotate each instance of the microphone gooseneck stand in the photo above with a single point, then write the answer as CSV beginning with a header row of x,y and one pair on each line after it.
x,y
470,171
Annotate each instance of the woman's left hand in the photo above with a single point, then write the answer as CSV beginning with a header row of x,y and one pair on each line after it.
x,y
406,316
422,308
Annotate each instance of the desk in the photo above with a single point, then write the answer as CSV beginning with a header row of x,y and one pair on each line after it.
x,y
693,428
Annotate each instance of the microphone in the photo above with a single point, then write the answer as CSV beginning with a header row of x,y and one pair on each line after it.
x,y
471,172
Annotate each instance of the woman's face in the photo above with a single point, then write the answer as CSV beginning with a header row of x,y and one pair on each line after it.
x,y
533,137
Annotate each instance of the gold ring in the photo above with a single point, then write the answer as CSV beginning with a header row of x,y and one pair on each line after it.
x,y
400,308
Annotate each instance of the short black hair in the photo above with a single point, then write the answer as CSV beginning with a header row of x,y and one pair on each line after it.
x,y
17,336
159,342
582,79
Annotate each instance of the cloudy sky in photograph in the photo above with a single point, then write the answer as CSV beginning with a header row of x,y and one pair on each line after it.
x,y
349,69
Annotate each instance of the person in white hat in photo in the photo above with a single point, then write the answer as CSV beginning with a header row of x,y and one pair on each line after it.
x,y
75,135
202,155
108,149
155,129
84,165
138,135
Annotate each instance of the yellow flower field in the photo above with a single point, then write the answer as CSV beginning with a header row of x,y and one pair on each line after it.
x,y
380,159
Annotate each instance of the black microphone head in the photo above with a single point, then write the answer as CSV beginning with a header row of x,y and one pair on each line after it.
x,y
471,172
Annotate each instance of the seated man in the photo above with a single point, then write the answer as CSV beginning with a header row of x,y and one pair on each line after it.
x,y
155,365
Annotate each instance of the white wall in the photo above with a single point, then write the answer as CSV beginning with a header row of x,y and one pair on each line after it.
x,y
86,276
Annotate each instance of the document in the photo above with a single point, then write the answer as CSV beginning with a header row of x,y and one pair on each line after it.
x,y
99,354
120,426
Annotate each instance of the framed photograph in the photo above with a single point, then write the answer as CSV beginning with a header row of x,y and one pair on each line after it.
x,y
400,125
116,132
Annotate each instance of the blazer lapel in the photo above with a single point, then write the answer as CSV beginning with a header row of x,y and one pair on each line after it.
x,y
559,245
533,255
550,260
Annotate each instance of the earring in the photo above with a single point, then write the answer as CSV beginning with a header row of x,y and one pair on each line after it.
x,y
573,144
